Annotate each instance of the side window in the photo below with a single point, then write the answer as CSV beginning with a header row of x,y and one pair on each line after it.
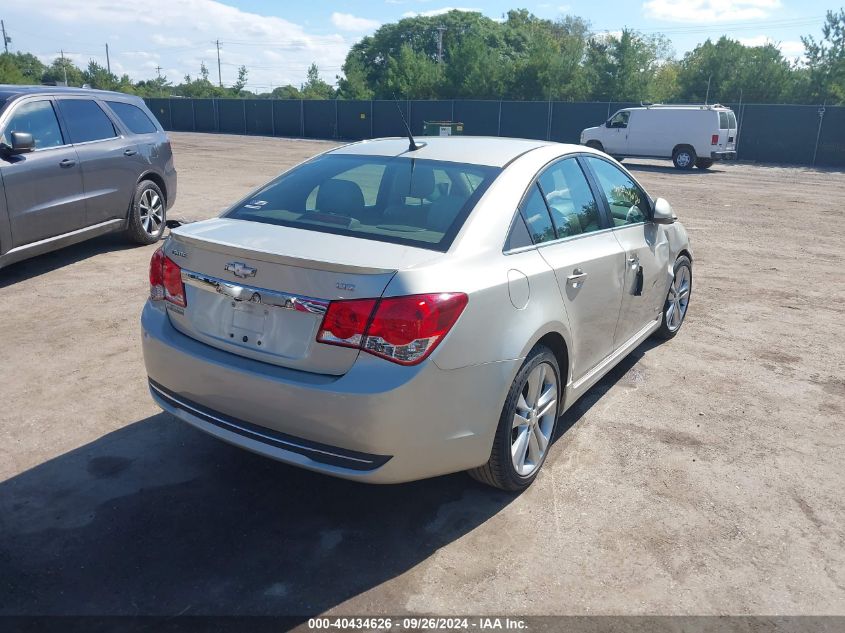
x,y
536,216
724,122
133,117
628,204
518,236
85,120
37,118
620,119
570,200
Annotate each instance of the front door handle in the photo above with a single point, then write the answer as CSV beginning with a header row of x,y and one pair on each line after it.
x,y
634,261
130,152
67,162
576,279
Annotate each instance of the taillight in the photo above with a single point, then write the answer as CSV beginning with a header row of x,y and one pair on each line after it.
x,y
345,322
403,330
714,140
166,280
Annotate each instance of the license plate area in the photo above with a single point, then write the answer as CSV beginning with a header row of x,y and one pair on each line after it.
x,y
248,323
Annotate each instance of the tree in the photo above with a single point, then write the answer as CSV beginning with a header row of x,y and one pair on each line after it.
x,y
238,86
314,87
413,75
826,59
623,67
353,84
98,77
754,73
62,69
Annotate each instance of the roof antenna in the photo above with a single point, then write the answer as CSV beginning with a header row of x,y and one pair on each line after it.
x,y
412,144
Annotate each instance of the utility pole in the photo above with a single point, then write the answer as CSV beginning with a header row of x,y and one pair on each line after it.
x,y
219,73
707,96
64,66
158,71
108,61
440,30
6,38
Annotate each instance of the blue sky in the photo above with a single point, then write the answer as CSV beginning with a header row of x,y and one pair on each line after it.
x,y
277,40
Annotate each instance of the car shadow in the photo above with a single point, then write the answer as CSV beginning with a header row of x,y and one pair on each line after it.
x,y
157,518
42,264
670,169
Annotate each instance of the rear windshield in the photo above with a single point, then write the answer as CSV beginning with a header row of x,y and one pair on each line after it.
x,y
409,201
727,120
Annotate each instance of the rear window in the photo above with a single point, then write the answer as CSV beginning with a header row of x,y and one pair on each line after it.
x,y
133,117
409,201
86,121
724,122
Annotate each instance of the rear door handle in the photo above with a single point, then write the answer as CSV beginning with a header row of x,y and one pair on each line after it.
x,y
130,152
67,162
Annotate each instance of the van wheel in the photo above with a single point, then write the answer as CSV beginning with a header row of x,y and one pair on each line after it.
x,y
704,163
595,145
526,426
147,214
684,157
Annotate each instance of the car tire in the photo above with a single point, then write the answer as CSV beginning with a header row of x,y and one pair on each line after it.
x,y
677,299
684,157
147,214
510,467
595,145
704,163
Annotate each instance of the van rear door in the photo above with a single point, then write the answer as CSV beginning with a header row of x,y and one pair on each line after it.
x,y
727,132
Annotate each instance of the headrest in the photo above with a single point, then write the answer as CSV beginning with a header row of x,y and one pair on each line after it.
x,y
342,197
422,182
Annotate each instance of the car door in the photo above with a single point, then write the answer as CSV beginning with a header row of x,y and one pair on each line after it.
x,y
643,242
107,157
573,237
44,191
616,139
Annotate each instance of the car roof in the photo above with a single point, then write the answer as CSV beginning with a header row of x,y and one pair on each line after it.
x,y
9,90
474,150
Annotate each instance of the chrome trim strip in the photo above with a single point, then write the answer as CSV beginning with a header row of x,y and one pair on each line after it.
x,y
274,298
202,415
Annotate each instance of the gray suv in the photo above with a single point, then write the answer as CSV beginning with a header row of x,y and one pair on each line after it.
x,y
76,163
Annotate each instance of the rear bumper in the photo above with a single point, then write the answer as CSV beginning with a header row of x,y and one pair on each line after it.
x,y
723,155
379,423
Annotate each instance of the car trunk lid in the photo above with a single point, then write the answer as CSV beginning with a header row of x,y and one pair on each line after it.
x,y
260,290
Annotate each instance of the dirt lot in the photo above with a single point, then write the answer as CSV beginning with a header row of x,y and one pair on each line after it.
x,y
704,475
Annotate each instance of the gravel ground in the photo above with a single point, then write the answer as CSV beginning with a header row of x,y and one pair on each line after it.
x,y
702,476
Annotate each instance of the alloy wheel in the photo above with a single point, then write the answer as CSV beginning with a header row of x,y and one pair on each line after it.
x,y
151,211
678,299
534,419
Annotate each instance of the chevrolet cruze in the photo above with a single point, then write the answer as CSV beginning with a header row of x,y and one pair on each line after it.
x,y
386,312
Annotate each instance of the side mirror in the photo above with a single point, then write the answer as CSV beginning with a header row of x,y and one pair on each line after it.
x,y
663,213
22,143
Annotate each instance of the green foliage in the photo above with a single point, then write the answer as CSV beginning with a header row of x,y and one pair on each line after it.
x,y
826,60
314,87
521,57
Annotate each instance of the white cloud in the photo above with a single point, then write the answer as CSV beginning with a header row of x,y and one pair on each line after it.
x,y
349,22
178,36
791,49
709,10
433,12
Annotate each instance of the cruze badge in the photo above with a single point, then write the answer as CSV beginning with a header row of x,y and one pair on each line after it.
x,y
239,269
341,285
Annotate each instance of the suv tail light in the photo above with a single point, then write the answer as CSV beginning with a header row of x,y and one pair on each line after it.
x,y
714,140
403,330
166,280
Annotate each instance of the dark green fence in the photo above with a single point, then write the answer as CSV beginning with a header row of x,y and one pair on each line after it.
x,y
797,134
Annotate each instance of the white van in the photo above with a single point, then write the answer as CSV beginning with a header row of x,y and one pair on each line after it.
x,y
688,134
